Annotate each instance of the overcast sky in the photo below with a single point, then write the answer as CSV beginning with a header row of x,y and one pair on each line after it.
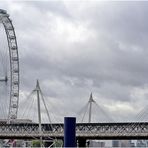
x,y
75,48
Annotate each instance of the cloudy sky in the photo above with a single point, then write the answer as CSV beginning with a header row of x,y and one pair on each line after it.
x,y
78,47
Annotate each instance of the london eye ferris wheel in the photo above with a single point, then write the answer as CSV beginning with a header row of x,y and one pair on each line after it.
x,y
9,69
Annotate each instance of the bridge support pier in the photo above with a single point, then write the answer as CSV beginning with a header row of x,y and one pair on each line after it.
x,y
81,142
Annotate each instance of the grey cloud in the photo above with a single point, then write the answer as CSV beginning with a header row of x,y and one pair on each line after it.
x,y
112,62
57,7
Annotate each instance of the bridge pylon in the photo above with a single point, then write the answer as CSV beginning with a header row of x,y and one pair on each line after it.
x,y
37,89
91,100
40,98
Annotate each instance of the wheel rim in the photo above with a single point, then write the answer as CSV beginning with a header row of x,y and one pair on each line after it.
x,y
13,76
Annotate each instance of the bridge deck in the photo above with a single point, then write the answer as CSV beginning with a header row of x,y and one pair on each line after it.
x,y
134,130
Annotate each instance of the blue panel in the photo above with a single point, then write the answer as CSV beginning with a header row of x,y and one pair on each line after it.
x,y
69,132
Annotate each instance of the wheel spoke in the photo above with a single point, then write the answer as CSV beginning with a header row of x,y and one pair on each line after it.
x,y
5,79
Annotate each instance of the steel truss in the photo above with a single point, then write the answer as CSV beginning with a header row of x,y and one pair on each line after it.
x,y
14,64
83,130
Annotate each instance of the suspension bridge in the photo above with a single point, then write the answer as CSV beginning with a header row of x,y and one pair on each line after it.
x,y
12,128
84,131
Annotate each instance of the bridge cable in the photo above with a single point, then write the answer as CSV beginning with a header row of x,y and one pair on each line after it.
x,y
102,110
30,104
85,112
140,116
